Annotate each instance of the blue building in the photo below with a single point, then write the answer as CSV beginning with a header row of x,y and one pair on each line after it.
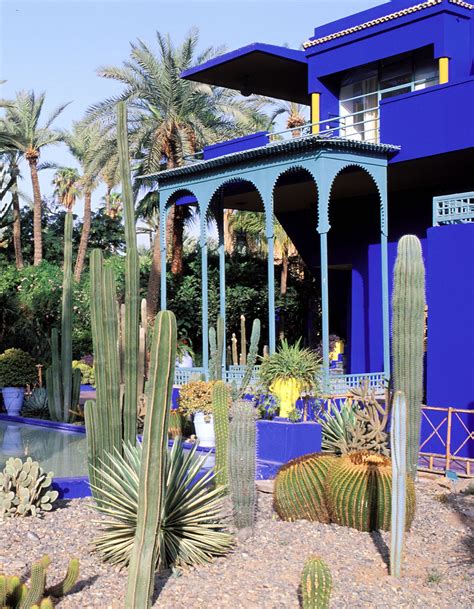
x,y
388,151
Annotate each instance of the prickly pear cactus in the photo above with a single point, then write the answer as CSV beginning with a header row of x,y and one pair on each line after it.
x,y
25,489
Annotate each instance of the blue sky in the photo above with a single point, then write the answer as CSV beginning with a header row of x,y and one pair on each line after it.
x,y
57,46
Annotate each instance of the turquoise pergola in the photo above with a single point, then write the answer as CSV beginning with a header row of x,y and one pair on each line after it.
x,y
323,160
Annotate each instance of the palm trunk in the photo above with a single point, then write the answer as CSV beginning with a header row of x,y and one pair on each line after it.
x,y
37,234
107,200
228,238
17,227
154,279
178,241
86,229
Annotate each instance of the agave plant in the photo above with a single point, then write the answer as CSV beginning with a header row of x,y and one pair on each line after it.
x,y
191,532
336,425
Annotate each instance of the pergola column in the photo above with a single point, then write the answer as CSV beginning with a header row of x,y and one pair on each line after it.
x,y
382,186
270,237
205,295
162,237
221,252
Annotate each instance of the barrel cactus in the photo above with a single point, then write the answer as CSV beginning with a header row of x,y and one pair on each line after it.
x,y
175,425
25,488
299,492
316,584
359,492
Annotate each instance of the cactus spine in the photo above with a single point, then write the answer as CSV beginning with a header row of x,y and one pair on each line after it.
x,y
398,443
408,307
152,480
359,492
299,491
316,584
220,412
61,381
242,454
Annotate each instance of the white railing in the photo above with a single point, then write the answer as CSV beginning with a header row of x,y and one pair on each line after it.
x,y
453,209
341,384
184,375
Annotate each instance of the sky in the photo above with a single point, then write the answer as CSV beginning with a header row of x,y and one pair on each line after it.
x,y
57,46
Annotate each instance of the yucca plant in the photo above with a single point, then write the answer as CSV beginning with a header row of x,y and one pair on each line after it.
x,y
190,533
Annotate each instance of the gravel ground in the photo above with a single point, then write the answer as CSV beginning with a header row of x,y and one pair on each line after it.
x,y
263,571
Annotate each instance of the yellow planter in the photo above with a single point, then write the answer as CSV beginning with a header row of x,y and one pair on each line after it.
x,y
287,391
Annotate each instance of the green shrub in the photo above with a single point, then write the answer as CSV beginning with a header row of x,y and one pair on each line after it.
x,y
291,362
17,369
87,372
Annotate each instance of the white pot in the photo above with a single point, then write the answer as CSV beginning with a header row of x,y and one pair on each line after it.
x,y
13,399
204,426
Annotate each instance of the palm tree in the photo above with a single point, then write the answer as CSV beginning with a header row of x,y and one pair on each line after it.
x,y
171,118
22,125
66,182
83,142
294,115
10,184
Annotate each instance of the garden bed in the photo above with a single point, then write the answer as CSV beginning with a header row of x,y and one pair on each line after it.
x,y
263,571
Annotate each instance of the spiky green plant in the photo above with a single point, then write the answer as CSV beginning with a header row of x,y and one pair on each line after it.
x,y
151,491
220,412
238,391
292,362
16,595
316,584
398,446
359,490
299,491
408,312
25,488
242,463
335,426
36,404
190,533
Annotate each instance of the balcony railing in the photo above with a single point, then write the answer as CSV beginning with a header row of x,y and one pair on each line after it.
x,y
336,385
453,209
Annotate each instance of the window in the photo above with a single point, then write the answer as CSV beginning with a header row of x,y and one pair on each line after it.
x,y
363,88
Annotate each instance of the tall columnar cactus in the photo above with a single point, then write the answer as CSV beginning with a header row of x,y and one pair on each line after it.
x,y
152,470
398,444
217,346
119,343
408,307
299,492
242,463
316,584
103,417
220,411
359,492
132,285
62,382
243,341
251,360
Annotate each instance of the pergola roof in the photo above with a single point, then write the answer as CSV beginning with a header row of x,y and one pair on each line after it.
x,y
263,69
292,145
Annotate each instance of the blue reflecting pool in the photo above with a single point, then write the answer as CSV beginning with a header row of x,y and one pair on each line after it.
x,y
57,450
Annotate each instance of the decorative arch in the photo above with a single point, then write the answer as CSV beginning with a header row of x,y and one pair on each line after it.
x,y
204,205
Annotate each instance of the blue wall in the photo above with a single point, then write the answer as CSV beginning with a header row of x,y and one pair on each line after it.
x,y
450,291
428,122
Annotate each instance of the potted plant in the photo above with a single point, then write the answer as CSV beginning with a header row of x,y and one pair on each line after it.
x,y
289,372
17,370
195,398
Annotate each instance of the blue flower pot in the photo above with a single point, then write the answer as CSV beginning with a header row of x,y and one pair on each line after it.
x,y
13,399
